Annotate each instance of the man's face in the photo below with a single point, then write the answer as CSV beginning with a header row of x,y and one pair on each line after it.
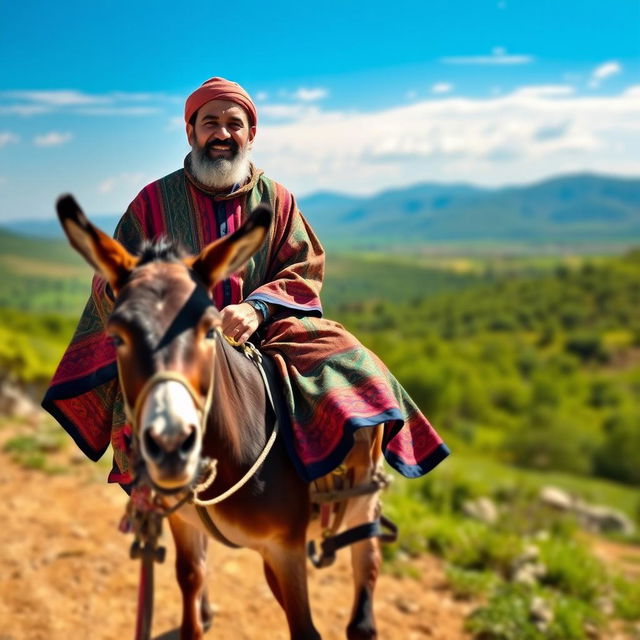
x,y
221,130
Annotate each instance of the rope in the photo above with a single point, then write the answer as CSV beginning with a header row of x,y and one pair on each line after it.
x,y
254,355
245,478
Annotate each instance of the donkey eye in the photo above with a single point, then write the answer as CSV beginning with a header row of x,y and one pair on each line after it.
x,y
116,340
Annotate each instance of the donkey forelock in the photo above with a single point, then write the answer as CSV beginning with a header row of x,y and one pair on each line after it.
x,y
161,249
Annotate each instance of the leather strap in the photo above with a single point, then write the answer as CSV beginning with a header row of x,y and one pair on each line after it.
x,y
211,527
330,545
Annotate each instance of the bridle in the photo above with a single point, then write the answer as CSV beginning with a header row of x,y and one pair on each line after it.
x,y
207,469
133,414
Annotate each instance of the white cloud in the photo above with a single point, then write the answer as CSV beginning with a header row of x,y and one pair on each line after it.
x,y
633,91
117,111
6,137
37,102
287,111
498,56
544,91
527,134
310,95
128,182
604,71
441,88
52,139
175,123
58,98
261,96
24,110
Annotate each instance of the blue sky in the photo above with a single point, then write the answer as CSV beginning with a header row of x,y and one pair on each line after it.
x,y
352,96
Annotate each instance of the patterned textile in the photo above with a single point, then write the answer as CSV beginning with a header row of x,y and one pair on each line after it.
x,y
332,385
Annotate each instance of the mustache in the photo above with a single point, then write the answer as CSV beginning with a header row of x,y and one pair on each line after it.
x,y
230,144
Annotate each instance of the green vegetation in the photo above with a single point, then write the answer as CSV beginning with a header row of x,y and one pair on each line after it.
x,y
33,450
31,344
540,371
535,575
529,368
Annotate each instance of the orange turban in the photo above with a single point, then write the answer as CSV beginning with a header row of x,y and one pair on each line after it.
x,y
220,89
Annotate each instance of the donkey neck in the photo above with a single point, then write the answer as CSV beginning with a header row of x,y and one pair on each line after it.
x,y
236,428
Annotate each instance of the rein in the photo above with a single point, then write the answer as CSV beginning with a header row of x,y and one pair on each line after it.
x,y
254,355
208,467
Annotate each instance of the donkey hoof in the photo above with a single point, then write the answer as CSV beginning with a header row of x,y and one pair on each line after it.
x,y
362,631
207,612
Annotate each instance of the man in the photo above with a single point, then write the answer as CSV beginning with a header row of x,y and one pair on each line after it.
x,y
332,385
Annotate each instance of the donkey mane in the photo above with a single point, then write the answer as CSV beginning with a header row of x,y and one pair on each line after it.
x,y
161,249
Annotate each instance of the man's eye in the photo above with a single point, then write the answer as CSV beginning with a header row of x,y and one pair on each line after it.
x,y
211,334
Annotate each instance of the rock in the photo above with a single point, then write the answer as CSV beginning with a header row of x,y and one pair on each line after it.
x,y
13,402
529,574
78,532
406,606
483,509
526,568
556,498
540,613
597,518
602,519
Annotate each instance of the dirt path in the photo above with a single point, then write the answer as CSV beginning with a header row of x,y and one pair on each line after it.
x,y
65,573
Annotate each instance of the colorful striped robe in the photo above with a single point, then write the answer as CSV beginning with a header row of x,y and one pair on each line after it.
x,y
332,385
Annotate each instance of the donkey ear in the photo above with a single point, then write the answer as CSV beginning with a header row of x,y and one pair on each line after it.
x,y
225,256
106,255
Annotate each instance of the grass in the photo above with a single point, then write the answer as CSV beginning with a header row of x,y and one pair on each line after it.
x,y
35,450
572,594
492,475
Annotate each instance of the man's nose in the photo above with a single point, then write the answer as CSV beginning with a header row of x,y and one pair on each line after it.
x,y
221,133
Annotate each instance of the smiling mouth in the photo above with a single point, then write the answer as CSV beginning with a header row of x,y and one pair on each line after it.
x,y
220,149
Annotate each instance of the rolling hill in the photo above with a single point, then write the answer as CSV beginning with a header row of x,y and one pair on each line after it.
x,y
577,211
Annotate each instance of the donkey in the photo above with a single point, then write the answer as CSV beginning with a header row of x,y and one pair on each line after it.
x,y
189,394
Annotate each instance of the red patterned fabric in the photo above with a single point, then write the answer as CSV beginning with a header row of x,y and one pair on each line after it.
x,y
331,384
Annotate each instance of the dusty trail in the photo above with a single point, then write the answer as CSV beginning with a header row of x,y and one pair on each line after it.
x,y
65,573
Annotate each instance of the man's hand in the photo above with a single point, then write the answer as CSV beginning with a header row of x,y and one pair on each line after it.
x,y
239,321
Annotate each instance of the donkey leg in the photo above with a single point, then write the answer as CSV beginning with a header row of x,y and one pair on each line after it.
x,y
191,556
286,573
272,581
365,561
206,612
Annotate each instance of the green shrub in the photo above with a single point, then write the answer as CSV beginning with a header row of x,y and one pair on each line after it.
x,y
467,585
549,440
31,450
572,569
446,492
626,599
509,615
587,346
617,458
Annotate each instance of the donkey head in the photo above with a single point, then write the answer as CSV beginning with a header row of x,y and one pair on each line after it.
x,y
164,327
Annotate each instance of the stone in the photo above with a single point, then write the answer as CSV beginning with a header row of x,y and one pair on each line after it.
x,y
482,509
603,519
556,498
406,606
541,614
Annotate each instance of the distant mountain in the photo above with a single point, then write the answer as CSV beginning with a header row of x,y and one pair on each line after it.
x,y
50,228
575,210
571,210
